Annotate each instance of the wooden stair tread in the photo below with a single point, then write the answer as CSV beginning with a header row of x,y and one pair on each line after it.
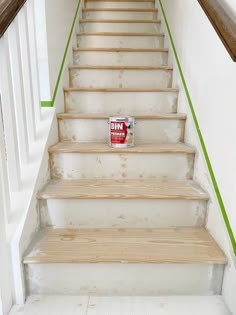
x,y
98,89
87,147
89,67
123,189
119,34
120,9
117,21
159,246
136,116
121,49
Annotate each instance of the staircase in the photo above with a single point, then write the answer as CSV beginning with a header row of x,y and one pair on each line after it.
x,y
122,221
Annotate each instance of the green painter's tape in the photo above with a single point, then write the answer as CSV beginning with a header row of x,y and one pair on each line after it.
x,y
208,162
51,103
46,104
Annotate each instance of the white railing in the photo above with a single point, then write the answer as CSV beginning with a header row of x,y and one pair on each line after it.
x,y
24,128
19,88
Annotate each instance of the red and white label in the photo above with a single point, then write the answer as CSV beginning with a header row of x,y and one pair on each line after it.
x,y
118,132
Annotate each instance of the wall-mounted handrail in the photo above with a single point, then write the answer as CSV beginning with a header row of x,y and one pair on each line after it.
x,y
222,22
8,11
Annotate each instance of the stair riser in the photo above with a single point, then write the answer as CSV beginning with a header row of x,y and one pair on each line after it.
x,y
121,213
117,103
120,27
120,78
107,41
124,279
119,166
120,4
119,15
121,58
97,130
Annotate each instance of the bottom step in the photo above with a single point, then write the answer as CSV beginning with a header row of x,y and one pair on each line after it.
x,y
84,305
125,262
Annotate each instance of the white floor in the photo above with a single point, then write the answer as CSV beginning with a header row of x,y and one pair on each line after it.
x,y
77,305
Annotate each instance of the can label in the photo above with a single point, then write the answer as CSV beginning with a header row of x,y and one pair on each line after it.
x,y
122,131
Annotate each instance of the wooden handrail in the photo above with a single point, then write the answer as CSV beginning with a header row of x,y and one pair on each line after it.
x,y
8,11
222,22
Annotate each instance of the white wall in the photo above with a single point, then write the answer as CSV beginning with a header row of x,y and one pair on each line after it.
x,y
211,77
59,17
230,6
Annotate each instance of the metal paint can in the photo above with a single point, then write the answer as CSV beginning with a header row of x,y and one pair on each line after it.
x,y
122,131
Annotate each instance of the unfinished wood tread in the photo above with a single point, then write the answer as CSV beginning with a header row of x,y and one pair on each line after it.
x,y
119,9
121,49
117,21
119,34
88,147
89,67
152,246
136,90
136,116
123,189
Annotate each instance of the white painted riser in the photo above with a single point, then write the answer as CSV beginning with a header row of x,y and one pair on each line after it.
x,y
125,103
121,78
119,4
118,166
120,15
97,130
100,58
107,41
122,213
124,279
120,27
127,305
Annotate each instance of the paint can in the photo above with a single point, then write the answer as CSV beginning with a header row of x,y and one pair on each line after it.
x,y
122,131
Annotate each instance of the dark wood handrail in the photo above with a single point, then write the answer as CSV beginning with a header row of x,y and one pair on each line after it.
x,y
222,22
8,11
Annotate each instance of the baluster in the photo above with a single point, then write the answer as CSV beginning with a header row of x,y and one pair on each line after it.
x,y
9,119
33,59
18,91
26,75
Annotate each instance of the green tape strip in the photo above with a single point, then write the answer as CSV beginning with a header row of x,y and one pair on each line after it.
x,y
210,169
46,103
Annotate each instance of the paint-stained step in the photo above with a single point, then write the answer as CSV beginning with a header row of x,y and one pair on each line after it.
x,y
135,26
123,189
121,261
94,147
122,40
155,246
159,128
122,213
140,305
120,101
120,76
119,13
120,4
99,160
120,56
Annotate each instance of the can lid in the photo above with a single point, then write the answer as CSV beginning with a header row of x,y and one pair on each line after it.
x,y
121,117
